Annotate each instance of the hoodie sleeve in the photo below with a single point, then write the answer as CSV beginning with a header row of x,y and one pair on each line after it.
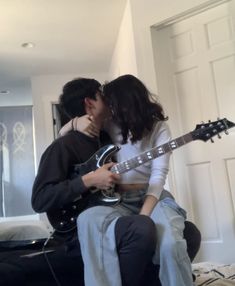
x,y
52,186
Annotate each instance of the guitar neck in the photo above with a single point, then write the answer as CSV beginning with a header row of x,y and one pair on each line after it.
x,y
151,154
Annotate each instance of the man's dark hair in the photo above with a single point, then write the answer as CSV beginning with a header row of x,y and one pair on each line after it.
x,y
132,106
71,100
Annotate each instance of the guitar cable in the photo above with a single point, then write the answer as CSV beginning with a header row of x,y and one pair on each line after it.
x,y
47,259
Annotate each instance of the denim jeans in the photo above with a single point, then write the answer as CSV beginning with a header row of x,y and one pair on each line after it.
x,y
171,249
96,233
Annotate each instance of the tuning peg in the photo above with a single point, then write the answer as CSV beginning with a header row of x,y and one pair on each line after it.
x,y
212,141
226,132
209,120
202,124
219,136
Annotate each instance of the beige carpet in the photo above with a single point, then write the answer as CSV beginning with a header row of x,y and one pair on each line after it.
x,y
214,274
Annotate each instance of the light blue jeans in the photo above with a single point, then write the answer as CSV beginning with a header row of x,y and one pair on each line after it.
x,y
97,239
171,249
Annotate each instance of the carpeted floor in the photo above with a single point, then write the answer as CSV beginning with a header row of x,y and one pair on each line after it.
x,y
214,274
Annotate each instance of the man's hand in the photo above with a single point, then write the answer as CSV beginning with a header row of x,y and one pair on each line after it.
x,y
101,178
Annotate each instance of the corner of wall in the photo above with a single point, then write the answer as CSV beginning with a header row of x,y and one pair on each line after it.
x,y
124,55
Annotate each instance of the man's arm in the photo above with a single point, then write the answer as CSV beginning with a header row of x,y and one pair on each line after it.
x,y
53,187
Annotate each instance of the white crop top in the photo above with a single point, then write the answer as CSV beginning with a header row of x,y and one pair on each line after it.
x,y
153,172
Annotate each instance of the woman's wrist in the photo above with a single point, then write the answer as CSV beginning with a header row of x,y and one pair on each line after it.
x,y
66,128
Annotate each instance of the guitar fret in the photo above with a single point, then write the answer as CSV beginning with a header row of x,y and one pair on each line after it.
x,y
173,144
180,141
166,148
187,138
127,166
149,155
123,167
160,151
115,169
135,162
139,159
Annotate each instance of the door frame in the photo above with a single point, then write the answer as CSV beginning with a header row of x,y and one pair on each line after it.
x,y
188,13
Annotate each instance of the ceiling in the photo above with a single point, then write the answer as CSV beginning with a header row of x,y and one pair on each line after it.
x,y
70,36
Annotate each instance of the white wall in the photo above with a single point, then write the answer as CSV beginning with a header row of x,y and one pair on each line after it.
x,y
20,93
45,91
124,56
137,57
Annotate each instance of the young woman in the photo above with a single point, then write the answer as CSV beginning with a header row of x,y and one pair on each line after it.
x,y
138,124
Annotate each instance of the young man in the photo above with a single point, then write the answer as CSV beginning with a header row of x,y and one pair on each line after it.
x,y
57,185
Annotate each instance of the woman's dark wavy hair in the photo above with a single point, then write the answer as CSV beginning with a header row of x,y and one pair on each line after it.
x,y
74,92
132,106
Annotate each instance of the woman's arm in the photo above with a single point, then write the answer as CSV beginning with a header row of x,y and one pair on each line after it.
x,y
159,169
149,204
84,124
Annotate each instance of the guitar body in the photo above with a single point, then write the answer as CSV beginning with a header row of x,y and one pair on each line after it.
x,y
101,157
64,219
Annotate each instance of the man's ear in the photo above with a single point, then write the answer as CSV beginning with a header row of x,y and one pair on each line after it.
x,y
89,105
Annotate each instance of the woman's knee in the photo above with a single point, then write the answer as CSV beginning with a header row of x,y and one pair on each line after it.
x,y
94,215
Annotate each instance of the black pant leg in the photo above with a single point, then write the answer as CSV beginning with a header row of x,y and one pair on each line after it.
x,y
192,236
16,268
136,241
193,239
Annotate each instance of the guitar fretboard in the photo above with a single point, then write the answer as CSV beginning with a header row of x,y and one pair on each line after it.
x,y
151,154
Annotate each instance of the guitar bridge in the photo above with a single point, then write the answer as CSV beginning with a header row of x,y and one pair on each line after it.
x,y
110,197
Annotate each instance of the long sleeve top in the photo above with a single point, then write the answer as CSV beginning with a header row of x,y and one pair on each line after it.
x,y
154,172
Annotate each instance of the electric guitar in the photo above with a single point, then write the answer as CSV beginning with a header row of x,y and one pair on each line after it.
x,y
64,219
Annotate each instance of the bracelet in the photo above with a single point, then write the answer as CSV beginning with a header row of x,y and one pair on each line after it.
x,y
72,124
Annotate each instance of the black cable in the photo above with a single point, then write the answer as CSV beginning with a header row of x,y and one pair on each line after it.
x,y
47,260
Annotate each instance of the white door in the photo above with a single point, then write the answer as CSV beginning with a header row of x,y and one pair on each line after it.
x,y
195,68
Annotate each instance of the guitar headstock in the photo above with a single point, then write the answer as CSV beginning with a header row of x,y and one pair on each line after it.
x,y
206,131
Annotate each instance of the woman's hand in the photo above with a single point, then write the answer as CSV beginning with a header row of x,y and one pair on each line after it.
x,y
84,124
